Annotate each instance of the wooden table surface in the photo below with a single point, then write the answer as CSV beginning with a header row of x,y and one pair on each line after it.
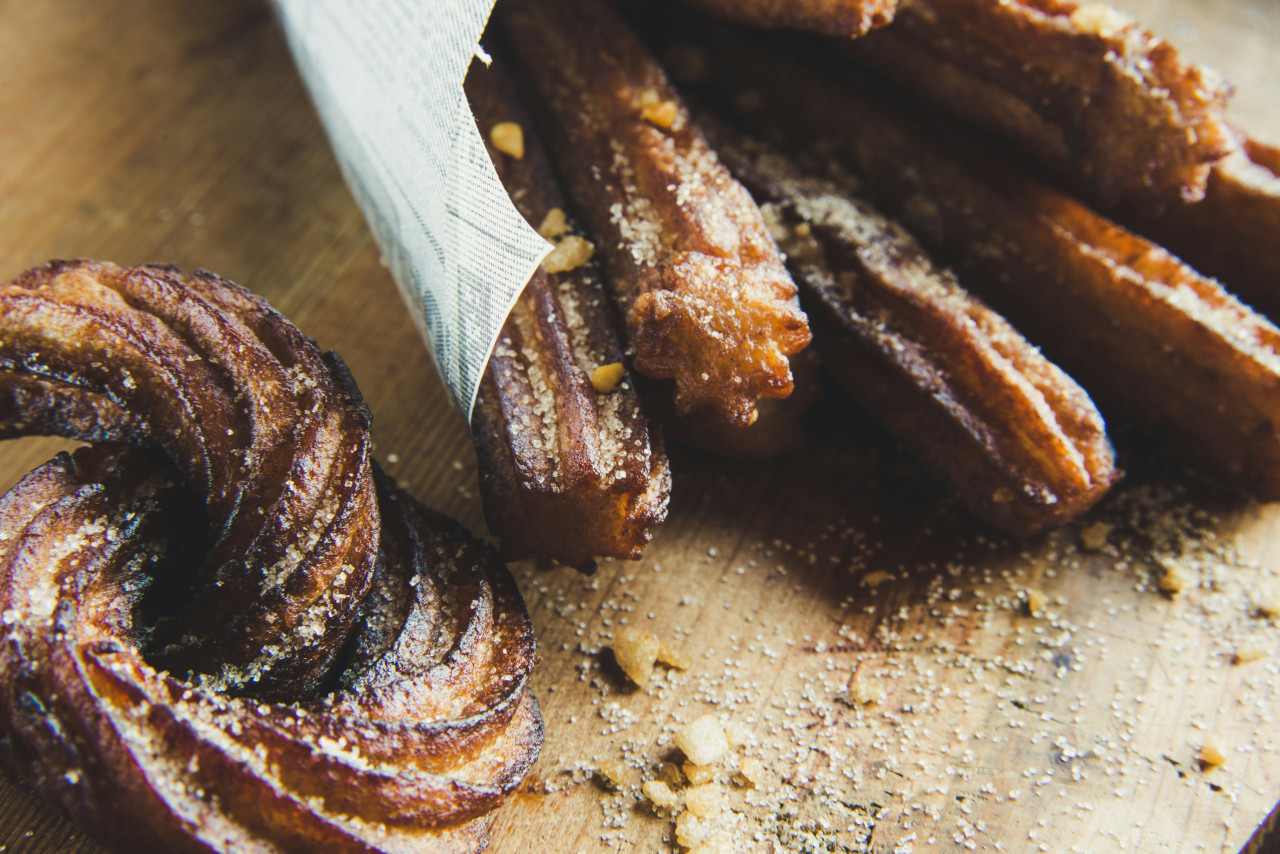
x,y
146,130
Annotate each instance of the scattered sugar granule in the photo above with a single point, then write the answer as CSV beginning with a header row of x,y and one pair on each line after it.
x,y
1094,537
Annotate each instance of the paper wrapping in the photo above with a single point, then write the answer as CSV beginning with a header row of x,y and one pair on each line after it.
x,y
386,78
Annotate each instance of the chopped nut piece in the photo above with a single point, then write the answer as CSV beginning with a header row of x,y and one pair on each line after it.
x,y
659,793
672,657
605,379
554,224
691,830
1269,605
1173,579
570,253
703,741
752,770
1249,650
1036,601
508,137
1210,756
861,693
699,775
617,774
875,578
656,110
662,114
736,734
705,801
1094,537
635,650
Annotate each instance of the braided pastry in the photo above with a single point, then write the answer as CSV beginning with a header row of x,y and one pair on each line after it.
x,y
345,671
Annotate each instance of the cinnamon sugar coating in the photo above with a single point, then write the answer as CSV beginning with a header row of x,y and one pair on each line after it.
x,y
707,300
1017,439
569,467
845,18
1076,86
340,669
1144,333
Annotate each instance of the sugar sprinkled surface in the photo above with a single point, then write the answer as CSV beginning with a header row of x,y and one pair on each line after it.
x,y
927,707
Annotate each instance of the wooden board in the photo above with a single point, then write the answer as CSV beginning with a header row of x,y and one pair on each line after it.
x,y
155,131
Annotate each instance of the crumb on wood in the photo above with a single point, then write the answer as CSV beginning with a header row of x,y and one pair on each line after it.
x,y
1094,537
660,794
1210,757
1035,601
703,741
1172,577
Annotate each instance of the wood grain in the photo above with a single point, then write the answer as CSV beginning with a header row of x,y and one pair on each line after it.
x,y
153,131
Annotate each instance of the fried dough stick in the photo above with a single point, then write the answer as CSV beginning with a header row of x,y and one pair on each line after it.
x,y
1077,87
569,470
1017,440
707,300
1234,233
847,18
1137,326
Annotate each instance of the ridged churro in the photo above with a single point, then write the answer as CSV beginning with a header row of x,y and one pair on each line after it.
x,y
841,18
1139,328
1017,440
1232,233
1076,86
569,468
707,300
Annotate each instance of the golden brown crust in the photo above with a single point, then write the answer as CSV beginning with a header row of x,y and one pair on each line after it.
x,y
1232,233
328,573
1138,327
841,18
707,300
568,472
1078,87
1018,441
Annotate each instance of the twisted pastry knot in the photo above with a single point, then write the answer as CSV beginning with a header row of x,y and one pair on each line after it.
x,y
342,670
